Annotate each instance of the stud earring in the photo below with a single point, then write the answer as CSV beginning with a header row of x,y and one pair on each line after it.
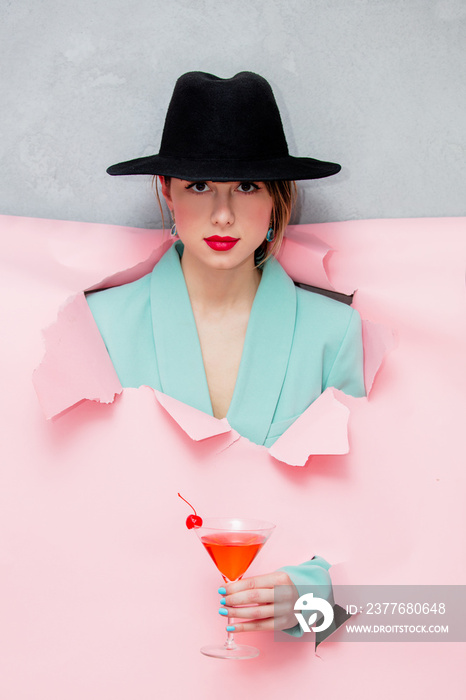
x,y
270,235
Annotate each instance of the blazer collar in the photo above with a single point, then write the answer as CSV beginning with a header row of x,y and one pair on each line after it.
x,y
177,347
266,348
266,352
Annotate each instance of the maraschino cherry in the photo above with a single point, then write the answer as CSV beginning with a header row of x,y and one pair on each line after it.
x,y
192,520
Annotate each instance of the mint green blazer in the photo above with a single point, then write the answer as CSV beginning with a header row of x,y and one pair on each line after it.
x,y
297,344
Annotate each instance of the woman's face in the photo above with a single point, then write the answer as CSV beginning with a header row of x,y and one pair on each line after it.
x,y
220,223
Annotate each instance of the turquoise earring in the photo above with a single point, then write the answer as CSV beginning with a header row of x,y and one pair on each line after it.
x,y
270,235
173,231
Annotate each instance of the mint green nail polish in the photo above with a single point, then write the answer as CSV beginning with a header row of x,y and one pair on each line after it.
x,y
222,590
222,611
231,628
222,601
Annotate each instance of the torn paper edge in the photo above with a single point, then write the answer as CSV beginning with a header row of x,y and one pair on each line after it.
x,y
304,257
321,430
74,341
378,340
195,423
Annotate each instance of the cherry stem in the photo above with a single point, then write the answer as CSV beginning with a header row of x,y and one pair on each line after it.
x,y
189,504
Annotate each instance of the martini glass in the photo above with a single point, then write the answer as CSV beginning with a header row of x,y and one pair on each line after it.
x,y
233,544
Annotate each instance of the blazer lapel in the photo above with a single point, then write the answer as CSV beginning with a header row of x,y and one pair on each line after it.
x,y
266,351
179,356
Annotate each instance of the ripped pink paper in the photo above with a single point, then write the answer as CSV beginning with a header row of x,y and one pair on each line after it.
x,y
76,365
378,341
197,424
320,430
106,594
303,257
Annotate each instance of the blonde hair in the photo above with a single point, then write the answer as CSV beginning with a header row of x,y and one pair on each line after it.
x,y
155,185
284,194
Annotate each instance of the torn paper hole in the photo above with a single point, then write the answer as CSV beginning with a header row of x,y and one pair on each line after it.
x,y
76,365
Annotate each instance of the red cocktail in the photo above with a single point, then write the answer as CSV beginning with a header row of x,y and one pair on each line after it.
x,y
233,552
233,544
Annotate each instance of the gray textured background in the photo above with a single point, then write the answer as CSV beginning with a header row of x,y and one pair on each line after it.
x,y
377,85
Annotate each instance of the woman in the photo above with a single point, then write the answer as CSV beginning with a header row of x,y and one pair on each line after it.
x,y
218,324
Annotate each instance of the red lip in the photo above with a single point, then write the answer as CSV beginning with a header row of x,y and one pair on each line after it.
x,y
221,243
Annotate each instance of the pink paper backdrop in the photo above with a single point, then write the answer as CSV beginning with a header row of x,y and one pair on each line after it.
x,y
106,595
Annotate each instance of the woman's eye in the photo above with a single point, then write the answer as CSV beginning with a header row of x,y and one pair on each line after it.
x,y
247,187
198,187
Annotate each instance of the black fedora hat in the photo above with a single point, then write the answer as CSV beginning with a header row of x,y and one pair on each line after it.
x,y
224,129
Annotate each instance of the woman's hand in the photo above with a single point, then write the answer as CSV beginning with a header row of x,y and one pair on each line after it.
x,y
267,608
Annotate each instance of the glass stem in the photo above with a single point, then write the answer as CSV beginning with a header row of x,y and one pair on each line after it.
x,y
230,643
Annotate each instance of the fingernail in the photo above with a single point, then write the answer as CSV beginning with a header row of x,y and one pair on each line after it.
x,y
223,611
231,628
222,590
222,601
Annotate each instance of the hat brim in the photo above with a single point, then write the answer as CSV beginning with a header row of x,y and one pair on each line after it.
x,y
285,168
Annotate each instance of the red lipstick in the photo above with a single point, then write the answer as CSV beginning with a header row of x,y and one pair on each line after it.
x,y
221,243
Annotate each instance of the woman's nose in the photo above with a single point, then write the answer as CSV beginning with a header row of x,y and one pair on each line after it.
x,y
222,210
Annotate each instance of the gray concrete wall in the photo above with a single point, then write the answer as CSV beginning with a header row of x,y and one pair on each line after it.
x,y
377,85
